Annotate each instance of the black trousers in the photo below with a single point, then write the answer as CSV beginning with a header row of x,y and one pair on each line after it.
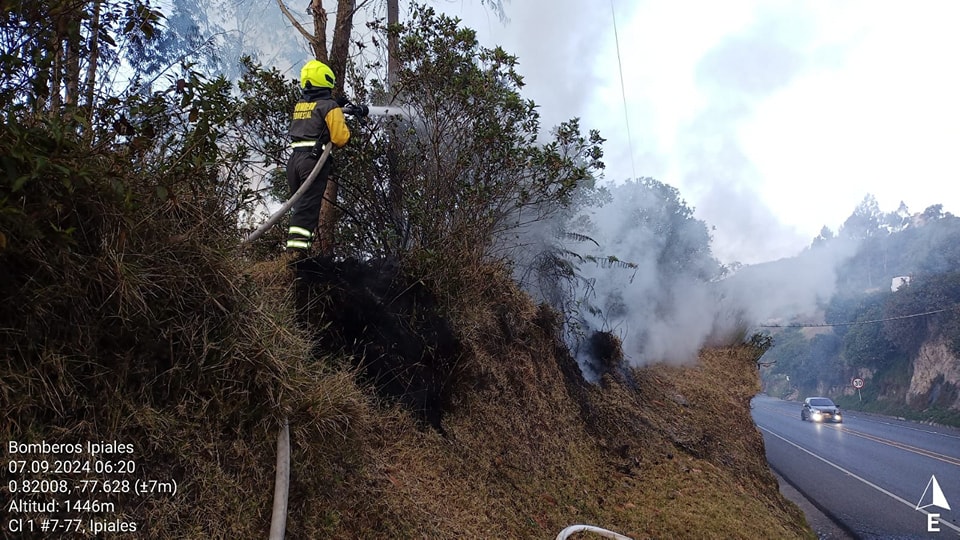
x,y
306,211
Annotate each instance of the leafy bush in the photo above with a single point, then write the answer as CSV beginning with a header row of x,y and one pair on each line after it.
x,y
465,166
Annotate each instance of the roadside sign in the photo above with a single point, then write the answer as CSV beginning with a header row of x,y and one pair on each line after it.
x,y
858,384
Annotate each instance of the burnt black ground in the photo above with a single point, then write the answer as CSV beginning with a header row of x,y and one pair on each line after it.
x,y
387,323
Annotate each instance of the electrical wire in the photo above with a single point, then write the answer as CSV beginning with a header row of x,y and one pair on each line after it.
x,y
623,92
898,318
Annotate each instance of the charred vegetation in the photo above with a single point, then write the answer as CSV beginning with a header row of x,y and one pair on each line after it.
x,y
387,323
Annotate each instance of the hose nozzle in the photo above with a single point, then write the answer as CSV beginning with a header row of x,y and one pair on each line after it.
x,y
360,111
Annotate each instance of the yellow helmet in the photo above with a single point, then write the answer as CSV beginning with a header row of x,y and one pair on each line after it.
x,y
318,74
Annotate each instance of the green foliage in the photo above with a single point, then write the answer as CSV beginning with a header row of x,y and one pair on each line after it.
x,y
761,342
189,144
614,243
865,220
924,246
126,317
809,363
789,347
924,294
865,345
46,47
467,166
265,101
46,176
896,244
681,243
878,331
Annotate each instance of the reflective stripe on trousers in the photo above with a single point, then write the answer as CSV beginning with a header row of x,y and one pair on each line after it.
x,y
298,238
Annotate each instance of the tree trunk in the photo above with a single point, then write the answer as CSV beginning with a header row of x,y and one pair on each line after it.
x,y
393,63
73,52
395,189
94,57
339,51
340,47
56,46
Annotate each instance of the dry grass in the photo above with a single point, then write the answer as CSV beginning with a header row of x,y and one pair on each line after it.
x,y
128,318
143,327
531,449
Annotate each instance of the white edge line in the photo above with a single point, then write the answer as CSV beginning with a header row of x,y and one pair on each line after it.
x,y
864,480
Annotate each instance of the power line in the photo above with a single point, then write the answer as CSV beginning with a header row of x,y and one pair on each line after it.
x,y
623,92
898,318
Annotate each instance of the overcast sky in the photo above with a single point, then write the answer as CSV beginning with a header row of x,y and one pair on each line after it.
x,y
772,118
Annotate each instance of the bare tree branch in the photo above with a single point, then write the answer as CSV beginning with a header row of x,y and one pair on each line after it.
x,y
319,30
296,24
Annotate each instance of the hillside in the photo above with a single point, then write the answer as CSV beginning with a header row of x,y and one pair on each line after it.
x,y
889,314
526,447
134,331
148,359
529,447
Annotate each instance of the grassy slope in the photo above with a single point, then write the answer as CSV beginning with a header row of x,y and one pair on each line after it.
x,y
531,449
659,452
663,452
127,317
196,377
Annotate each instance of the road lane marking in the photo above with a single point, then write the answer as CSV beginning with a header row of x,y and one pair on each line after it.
x,y
942,434
903,446
860,478
950,460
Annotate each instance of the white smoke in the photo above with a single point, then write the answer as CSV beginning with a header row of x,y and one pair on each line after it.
x,y
664,301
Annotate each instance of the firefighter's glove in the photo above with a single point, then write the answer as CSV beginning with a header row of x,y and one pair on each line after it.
x,y
342,100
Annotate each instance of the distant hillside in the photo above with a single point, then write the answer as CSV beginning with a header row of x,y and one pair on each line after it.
x,y
895,316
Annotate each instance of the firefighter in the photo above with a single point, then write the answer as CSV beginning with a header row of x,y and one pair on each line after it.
x,y
317,120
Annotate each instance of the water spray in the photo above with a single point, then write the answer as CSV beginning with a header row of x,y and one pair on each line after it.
x,y
363,111
387,112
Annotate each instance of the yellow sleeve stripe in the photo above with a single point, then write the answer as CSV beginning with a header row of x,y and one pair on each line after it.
x,y
339,133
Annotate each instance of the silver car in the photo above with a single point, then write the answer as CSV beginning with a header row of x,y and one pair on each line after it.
x,y
820,409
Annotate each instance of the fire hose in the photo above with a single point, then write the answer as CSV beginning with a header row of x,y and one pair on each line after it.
x,y
293,199
281,486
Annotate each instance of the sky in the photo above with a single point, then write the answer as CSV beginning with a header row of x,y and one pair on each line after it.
x,y
772,118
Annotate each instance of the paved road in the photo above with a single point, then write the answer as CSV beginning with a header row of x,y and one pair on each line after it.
x,y
870,472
